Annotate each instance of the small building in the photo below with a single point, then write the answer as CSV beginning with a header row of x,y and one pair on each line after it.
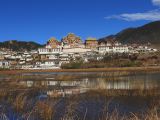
x,y
48,64
48,51
27,66
113,49
120,49
105,49
75,50
1,56
4,64
64,58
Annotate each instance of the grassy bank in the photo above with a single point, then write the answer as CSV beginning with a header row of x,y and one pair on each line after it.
x,y
85,70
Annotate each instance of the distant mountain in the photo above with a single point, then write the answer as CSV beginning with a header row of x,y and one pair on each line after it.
x,y
149,33
19,45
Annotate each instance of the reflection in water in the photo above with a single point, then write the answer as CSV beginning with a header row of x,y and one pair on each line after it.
x,y
87,82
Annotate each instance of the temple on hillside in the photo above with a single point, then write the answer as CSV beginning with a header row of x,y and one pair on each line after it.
x,y
91,43
53,43
72,41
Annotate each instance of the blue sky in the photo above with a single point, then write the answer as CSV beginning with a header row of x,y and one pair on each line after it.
x,y
38,20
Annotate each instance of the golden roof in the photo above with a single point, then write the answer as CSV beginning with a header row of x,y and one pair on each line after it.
x,y
52,39
91,38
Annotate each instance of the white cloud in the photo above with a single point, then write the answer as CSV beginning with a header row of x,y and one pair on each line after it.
x,y
150,16
156,2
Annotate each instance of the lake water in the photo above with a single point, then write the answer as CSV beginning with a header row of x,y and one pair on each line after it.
x,y
89,92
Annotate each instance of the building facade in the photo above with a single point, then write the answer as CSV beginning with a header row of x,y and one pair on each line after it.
x,y
91,43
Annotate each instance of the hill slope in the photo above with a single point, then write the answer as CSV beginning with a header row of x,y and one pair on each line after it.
x,y
149,33
19,45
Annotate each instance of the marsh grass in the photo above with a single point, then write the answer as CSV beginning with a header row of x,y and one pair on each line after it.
x,y
23,100
150,115
114,93
20,103
71,108
44,110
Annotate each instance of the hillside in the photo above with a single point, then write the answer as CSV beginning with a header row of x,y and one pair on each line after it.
x,y
149,33
19,45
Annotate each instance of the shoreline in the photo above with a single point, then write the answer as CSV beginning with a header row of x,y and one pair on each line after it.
x,y
84,70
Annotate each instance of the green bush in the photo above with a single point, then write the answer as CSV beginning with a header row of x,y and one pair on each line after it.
x,y
72,65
